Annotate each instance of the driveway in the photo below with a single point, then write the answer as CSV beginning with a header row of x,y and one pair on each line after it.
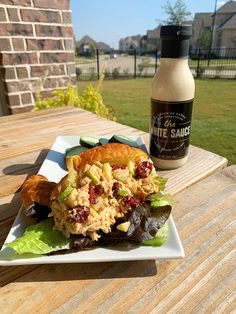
x,y
125,64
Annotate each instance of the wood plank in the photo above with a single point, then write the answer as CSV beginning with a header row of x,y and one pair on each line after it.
x,y
10,206
56,118
42,135
5,226
204,281
15,272
32,114
200,164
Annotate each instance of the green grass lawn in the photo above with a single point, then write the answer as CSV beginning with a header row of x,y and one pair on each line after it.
x,y
214,117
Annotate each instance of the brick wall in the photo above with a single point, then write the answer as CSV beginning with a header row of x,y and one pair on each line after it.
x,y
36,51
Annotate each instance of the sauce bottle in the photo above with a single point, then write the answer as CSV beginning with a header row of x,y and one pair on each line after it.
x,y
172,100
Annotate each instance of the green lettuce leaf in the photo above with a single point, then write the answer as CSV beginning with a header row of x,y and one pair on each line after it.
x,y
160,238
161,182
40,238
160,199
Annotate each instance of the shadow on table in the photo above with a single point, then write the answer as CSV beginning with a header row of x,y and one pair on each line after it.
x,y
71,272
19,169
67,272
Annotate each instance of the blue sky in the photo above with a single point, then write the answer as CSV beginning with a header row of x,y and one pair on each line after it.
x,y
109,21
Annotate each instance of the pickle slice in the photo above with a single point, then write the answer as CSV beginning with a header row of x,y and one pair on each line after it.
x,y
103,141
88,141
123,140
75,150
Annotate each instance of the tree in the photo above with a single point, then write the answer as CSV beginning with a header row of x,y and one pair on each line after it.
x,y
76,48
177,13
205,39
93,49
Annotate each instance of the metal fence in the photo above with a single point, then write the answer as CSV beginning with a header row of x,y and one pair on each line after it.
x,y
204,63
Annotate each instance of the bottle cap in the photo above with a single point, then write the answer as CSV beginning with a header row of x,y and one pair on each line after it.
x,y
176,32
175,41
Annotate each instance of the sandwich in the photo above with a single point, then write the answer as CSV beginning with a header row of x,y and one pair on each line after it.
x,y
108,182
111,194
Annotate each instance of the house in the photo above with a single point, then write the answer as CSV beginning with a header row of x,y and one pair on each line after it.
x,y
202,23
224,31
150,41
86,46
103,46
153,39
215,30
130,42
221,25
143,42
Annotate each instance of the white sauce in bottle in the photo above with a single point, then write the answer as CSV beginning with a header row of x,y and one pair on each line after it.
x,y
171,100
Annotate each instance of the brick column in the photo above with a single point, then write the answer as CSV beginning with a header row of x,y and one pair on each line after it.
x,y
36,51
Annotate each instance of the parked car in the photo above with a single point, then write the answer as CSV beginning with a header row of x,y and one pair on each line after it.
x,y
113,55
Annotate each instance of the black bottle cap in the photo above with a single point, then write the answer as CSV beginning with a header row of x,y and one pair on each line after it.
x,y
175,41
176,31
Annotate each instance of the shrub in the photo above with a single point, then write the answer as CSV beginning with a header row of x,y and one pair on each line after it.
x,y
107,73
140,69
218,71
116,73
90,100
78,72
200,71
126,72
92,72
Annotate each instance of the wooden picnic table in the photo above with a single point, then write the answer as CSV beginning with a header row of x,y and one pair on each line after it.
x,y
205,193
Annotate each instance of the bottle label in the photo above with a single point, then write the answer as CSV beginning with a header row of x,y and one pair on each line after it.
x,y
170,128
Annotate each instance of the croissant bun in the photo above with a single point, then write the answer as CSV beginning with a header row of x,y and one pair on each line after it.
x,y
38,189
113,153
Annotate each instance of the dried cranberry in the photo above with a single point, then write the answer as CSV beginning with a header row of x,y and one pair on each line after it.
x,y
130,201
82,213
115,188
115,167
99,190
92,195
143,169
142,198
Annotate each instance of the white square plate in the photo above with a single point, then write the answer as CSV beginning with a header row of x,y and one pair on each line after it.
x,y
54,169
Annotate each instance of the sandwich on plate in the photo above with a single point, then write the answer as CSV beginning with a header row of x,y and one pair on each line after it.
x,y
111,195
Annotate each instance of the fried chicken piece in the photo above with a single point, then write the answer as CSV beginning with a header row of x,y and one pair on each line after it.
x,y
37,189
